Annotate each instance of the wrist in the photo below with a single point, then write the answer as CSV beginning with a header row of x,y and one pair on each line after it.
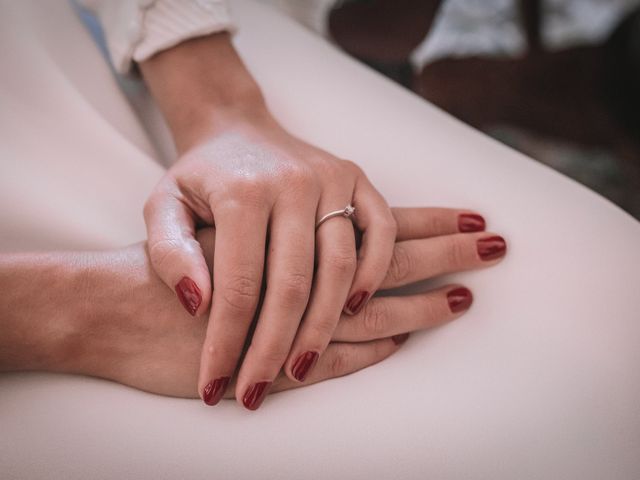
x,y
202,87
58,311
208,120
41,300
110,286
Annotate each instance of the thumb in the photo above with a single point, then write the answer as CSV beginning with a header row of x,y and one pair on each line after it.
x,y
176,255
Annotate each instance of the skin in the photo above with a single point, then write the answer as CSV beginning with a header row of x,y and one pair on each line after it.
x,y
264,190
108,314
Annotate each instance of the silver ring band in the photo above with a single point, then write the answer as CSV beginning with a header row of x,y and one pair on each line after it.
x,y
347,212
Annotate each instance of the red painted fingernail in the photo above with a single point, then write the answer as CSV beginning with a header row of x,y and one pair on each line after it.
x,y
356,302
470,222
460,299
303,365
491,248
255,394
400,339
189,295
214,390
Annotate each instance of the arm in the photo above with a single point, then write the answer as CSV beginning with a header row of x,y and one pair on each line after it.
x,y
103,314
107,314
135,30
42,297
203,88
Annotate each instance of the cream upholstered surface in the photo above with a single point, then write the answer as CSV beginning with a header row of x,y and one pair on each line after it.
x,y
539,380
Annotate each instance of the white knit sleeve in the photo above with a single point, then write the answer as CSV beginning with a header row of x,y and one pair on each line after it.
x,y
137,29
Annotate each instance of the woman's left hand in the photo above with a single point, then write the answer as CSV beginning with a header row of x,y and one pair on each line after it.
x,y
125,321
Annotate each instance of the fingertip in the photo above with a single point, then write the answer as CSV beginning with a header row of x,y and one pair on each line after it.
x,y
183,268
302,366
459,299
491,247
194,291
189,294
356,302
469,222
255,394
400,339
213,392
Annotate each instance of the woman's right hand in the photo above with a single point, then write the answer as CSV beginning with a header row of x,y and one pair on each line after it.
x,y
265,191
144,339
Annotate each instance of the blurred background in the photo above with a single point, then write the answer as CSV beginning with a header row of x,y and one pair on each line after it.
x,y
558,80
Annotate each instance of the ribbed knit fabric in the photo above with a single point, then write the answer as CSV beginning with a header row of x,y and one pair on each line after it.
x,y
137,29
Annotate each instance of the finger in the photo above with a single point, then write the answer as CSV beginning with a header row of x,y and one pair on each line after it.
x,y
388,316
415,260
237,278
176,256
374,219
336,264
341,359
206,237
414,223
289,276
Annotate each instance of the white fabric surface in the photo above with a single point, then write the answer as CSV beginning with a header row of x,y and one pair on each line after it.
x,y
538,381
137,29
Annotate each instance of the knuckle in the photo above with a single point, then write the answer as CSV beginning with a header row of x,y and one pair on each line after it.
x,y
332,169
216,350
162,251
351,166
342,261
294,289
247,192
428,310
322,327
375,318
340,362
241,293
273,355
298,175
389,227
438,224
456,253
400,265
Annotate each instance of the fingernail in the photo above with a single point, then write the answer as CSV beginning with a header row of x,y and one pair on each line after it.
x,y
460,299
400,339
214,390
470,222
491,248
255,394
303,365
355,303
189,295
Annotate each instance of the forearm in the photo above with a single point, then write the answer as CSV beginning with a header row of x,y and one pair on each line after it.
x,y
39,300
202,86
49,303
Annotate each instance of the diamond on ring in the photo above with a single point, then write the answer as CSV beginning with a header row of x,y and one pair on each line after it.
x,y
346,212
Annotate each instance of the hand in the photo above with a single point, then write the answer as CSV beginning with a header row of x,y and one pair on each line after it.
x,y
264,190
126,320
429,244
